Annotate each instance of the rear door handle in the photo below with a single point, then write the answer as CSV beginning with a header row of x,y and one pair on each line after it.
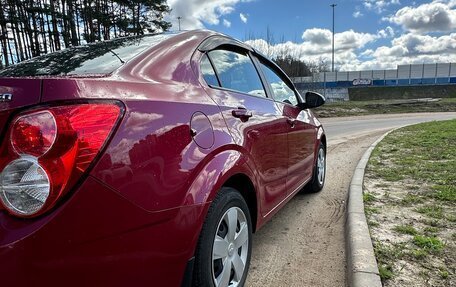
x,y
242,113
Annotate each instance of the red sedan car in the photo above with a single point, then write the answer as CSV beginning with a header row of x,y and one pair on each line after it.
x,y
148,161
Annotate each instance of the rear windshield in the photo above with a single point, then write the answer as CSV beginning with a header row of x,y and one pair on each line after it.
x,y
97,58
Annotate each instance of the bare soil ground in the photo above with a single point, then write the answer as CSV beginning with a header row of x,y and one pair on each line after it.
x,y
394,223
303,244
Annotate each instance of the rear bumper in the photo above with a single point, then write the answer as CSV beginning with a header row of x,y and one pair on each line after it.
x,y
97,238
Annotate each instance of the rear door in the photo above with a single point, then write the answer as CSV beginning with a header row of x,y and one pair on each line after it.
x,y
301,134
252,118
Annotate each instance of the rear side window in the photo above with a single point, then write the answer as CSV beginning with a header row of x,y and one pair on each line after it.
x,y
208,72
281,91
98,58
237,72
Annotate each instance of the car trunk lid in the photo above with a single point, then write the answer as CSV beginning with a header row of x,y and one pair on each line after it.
x,y
17,93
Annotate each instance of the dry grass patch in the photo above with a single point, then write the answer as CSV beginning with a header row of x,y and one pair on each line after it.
x,y
410,203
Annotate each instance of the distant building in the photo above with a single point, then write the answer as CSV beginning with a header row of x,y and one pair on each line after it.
x,y
334,85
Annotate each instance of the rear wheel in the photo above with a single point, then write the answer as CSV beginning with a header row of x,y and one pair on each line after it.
x,y
319,172
224,248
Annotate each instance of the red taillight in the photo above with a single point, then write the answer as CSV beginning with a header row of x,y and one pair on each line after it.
x,y
34,134
47,152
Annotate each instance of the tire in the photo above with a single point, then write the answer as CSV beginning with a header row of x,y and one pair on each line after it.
x,y
319,172
226,233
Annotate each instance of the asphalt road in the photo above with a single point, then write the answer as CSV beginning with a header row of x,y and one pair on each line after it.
x,y
342,129
303,244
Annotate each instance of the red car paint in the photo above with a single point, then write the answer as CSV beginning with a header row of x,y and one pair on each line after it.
x,y
135,218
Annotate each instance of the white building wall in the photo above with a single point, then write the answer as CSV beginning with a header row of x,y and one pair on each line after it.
x,y
403,71
453,70
378,74
412,73
342,76
330,76
354,75
416,71
430,71
391,74
366,74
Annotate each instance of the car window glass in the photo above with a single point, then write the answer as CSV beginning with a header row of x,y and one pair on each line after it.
x,y
237,72
281,91
95,58
208,72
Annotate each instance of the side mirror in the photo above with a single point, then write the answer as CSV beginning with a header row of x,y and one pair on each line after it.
x,y
313,100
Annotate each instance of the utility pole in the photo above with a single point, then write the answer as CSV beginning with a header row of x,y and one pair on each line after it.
x,y
333,6
179,19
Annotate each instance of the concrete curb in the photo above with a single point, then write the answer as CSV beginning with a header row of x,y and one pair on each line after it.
x,y
362,266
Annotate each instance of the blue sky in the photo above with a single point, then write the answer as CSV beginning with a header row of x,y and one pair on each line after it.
x,y
290,18
369,34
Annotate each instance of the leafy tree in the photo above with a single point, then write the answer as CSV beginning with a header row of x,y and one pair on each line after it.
x,y
29,28
293,67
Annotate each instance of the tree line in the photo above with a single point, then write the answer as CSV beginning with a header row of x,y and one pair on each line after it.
x,y
29,28
295,67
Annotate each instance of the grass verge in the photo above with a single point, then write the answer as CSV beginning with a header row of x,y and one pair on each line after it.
x,y
410,197
356,108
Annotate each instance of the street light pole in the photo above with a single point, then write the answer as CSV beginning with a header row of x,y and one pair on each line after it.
x,y
179,19
333,6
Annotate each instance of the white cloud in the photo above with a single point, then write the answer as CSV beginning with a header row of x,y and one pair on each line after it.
x,y
351,40
321,39
317,46
226,23
426,44
196,13
388,32
243,17
367,53
410,49
317,36
379,6
351,54
357,14
436,16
